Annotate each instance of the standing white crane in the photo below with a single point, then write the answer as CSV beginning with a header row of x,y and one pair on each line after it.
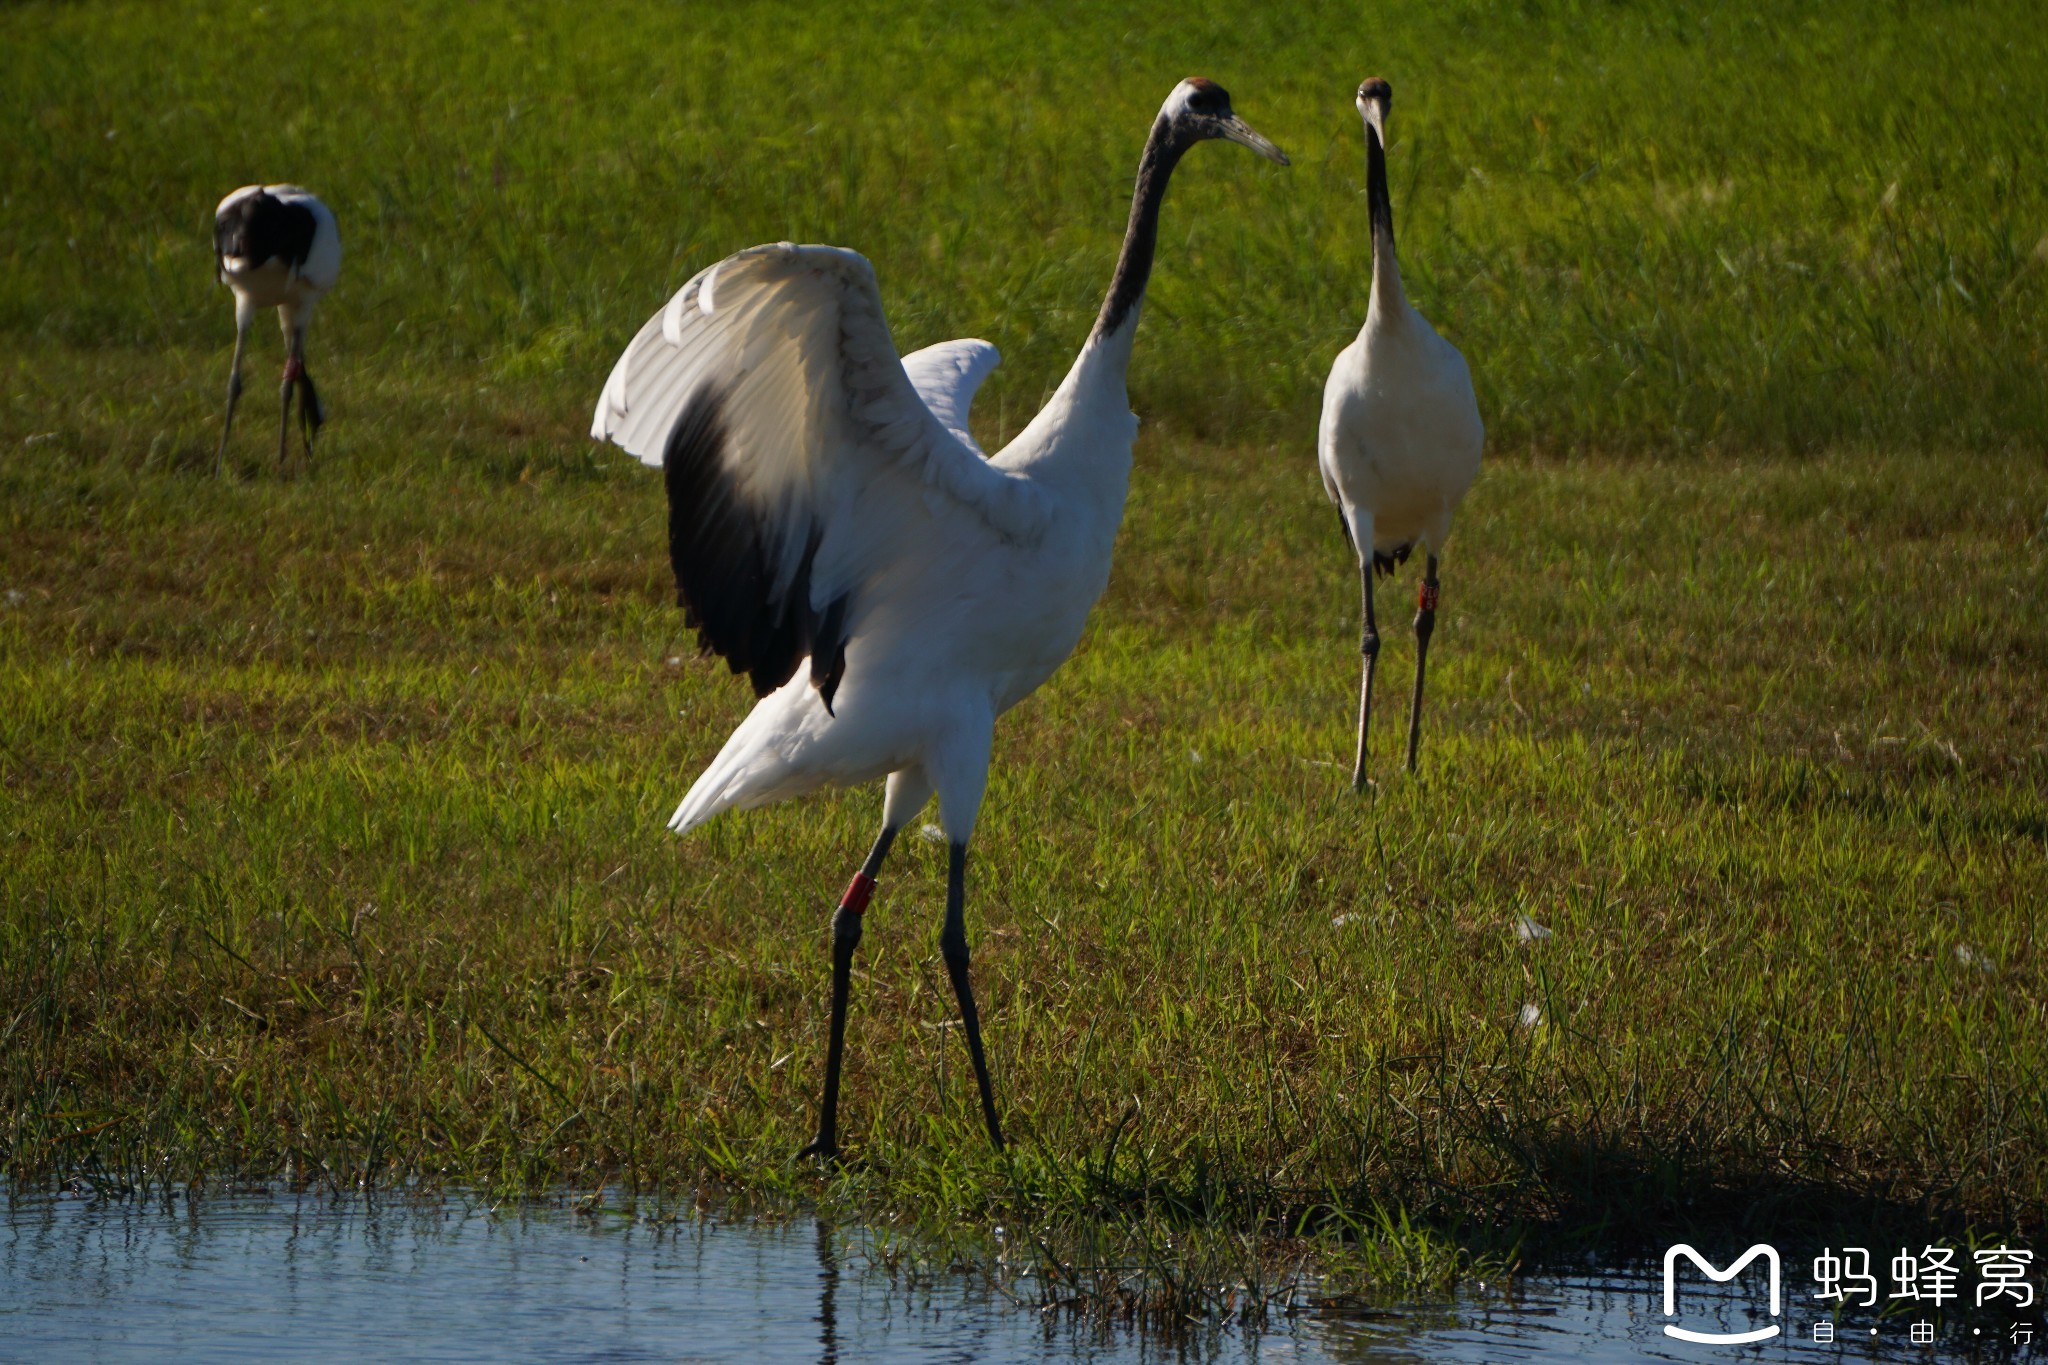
x,y
1400,436
276,246
826,501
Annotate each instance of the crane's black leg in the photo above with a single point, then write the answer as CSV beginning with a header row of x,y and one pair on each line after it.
x,y
284,398
295,377
311,414
220,459
1369,646
846,926
953,947
1425,625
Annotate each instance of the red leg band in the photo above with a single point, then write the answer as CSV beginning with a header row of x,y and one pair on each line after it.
x,y
857,893
1425,596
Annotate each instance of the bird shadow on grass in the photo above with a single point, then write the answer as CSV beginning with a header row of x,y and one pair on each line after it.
x,y
1580,1200
1148,1234
1808,789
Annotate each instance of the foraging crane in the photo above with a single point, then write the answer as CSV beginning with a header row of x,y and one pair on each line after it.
x,y
826,501
1400,436
277,247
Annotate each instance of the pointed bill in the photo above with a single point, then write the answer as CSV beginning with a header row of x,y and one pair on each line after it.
x,y
1371,110
1238,131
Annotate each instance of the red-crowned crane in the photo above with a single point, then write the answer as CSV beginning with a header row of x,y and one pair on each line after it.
x,y
1400,436
827,502
276,246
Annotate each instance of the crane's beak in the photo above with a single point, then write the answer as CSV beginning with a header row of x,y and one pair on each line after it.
x,y
1238,131
1371,110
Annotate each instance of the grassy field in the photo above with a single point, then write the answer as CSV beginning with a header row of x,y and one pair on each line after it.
x,y
332,806
1743,228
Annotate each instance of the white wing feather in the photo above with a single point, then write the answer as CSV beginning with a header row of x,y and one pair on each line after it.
x,y
818,407
946,377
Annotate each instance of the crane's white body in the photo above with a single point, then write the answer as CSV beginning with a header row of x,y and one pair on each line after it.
x,y
966,623
828,502
1400,437
276,246
972,577
275,282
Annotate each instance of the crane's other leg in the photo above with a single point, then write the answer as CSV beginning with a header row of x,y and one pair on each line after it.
x,y
284,390
907,793
1369,646
959,769
953,947
295,377
1425,625
242,319
312,415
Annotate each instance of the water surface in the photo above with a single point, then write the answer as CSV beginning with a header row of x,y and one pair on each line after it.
x,y
302,1278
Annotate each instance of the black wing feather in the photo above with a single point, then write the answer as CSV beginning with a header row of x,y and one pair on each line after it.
x,y
722,553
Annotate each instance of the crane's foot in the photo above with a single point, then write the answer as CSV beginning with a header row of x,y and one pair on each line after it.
x,y
822,1151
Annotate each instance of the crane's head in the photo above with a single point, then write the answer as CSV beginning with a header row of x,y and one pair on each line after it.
x,y
1199,109
1375,98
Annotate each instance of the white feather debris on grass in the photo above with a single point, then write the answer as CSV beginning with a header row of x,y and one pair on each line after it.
x,y
1970,957
1531,1016
931,833
1529,931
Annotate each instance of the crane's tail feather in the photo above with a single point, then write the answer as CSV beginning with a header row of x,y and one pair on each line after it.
x,y
740,781
775,754
710,795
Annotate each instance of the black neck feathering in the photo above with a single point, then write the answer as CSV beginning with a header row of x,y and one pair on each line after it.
x,y
1378,202
1134,267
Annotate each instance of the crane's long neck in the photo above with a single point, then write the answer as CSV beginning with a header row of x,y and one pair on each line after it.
x,y
1083,434
1386,267
1118,321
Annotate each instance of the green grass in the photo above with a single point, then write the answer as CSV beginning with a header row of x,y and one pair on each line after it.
x,y
333,814
1748,228
331,807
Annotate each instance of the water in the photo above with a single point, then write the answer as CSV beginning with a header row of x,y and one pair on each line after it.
x,y
284,1278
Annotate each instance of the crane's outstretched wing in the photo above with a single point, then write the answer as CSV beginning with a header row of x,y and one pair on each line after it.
x,y
946,377
799,458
